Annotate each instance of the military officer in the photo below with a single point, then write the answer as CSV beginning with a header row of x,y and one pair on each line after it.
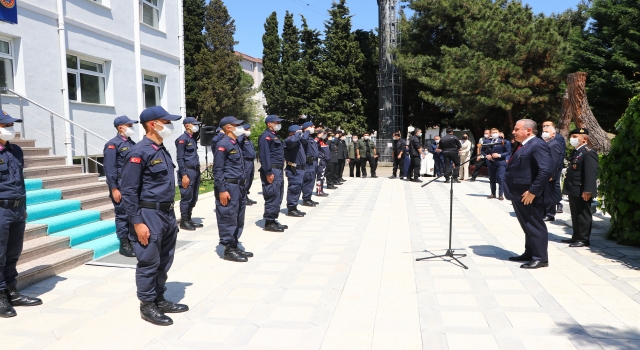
x,y
497,159
148,189
114,153
311,151
229,178
580,185
13,213
271,173
296,159
216,139
249,154
323,159
188,172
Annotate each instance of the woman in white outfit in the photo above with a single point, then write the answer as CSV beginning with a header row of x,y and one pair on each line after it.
x,y
465,153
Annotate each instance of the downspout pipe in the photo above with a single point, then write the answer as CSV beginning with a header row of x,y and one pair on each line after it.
x,y
65,85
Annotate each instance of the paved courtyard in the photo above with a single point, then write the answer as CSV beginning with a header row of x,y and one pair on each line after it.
x,y
345,277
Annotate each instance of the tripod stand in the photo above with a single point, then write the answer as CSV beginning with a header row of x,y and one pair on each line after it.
x,y
450,252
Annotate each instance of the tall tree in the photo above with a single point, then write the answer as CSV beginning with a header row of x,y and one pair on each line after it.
x,y
312,84
368,83
292,74
194,42
272,84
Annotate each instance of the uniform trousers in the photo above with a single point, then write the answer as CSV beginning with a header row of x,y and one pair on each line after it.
x,y
309,181
231,217
320,171
329,172
438,165
155,259
12,223
414,168
581,218
340,168
294,186
551,198
272,193
373,165
531,220
453,157
122,219
398,164
249,169
189,195
496,177
354,163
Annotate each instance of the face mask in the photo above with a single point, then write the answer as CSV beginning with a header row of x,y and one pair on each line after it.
x,y
366,137
277,127
546,135
486,136
342,138
247,133
354,139
495,135
7,133
128,132
419,135
238,131
575,142
166,131
465,138
194,128
396,138
437,141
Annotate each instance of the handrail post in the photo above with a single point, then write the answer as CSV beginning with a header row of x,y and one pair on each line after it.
x,y
86,154
22,135
53,136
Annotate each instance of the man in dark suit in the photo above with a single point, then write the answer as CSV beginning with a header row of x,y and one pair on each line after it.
x,y
438,157
497,158
398,154
449,147
560,139
415,152
581,186
528,171
551,194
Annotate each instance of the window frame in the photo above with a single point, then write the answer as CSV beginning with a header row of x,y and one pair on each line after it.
x,y
78,71
157,8
157,84
12,59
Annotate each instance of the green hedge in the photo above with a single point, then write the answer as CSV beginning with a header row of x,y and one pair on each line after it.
x,y
620,178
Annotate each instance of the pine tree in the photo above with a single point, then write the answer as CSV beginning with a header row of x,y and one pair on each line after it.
x,y
272,84
368,43
194,42
312,84
292,74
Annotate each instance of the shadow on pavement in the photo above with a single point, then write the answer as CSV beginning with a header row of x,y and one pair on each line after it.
x,y
43,287
491,251
176,290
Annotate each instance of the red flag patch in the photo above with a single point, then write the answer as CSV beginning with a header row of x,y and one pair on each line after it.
x,y
221,149
268,138
111,146
181,141
135,160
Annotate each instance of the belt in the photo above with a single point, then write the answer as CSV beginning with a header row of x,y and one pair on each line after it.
x,y
294,165
157,205
236,181
11,203
192,167
277,166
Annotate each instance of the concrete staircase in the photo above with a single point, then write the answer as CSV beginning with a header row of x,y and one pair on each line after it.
x,y
69,216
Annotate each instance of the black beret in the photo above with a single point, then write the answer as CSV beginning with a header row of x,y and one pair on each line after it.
x,y
580,131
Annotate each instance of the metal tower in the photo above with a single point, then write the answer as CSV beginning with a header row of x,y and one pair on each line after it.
x,y
389,77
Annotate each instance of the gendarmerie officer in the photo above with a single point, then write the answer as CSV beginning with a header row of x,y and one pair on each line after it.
x,y
323,159
229,178
450,147
188,172
271,173
312,153
216,139
13,210
115,152
580,184
148,191
296,159
249,154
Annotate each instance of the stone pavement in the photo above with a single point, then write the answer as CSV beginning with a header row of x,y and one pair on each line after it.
x,y
345,277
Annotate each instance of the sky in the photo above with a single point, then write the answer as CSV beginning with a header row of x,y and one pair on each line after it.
x,y
250,15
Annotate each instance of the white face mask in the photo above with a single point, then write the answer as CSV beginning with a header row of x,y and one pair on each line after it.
x,y
437,141
247,133
546,135
495,135
167,130
7,133
128,132
354,139
277,127
194,128
486,136
238,131
574,141
366,137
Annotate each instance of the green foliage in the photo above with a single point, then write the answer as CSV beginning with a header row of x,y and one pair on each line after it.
x,y
257,128
368,42
620,178
292,70
193,43
272,84
206,185
312,85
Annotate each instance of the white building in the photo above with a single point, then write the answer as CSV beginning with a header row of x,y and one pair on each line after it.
x,y
90,61
253,67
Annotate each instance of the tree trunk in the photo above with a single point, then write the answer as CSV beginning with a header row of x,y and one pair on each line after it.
x,y
575,106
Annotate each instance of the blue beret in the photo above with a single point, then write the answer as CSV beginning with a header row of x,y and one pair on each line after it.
x,y
191,120
307,124
230,120
246,126
272,118
157,112
294,128
123,120
5,118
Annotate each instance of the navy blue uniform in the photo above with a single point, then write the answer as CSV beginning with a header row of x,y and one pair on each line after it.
x,y
229,176
214,141
552,194
296,159
115,152
148,181
312,151
12,213
188,164
249,154
271,162
498,166
324,154
529,169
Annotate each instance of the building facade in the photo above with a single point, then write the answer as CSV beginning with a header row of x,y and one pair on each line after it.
x,y
90,61
253,67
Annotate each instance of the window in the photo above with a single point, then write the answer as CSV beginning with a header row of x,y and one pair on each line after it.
x,y
151,90
251,66
6,64
86,80
149,12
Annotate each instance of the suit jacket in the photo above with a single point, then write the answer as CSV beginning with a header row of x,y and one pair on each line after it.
x,y
529,169
582,174
557,155
503,150
436,155
398,147
466,151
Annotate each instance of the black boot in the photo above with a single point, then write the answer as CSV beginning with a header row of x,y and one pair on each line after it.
x,y
193,223
185,224
6,310
293,211
17,299
126,249
309,203
166,307
245,253
251,201
270,225
149,312
284,227
232,254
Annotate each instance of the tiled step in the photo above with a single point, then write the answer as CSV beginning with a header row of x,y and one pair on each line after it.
x,y
85,233
36,151
69,220
94,200
42,246
45,210
54,170
43,196
82,190
24,142
68,180
101,246
37,161
39,269
33,184
34,231
106,211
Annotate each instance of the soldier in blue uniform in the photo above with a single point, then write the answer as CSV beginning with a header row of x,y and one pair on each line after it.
x,y
188,172
271,173
229,178
323,158
13,213
214,141
115,152
249,154
296,160
312,152
148,189
497,158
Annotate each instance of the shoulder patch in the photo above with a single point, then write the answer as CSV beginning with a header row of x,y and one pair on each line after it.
x,y
136,160
124,149
190,144
111,147
268,138
181,141
156,161
1,160
221,149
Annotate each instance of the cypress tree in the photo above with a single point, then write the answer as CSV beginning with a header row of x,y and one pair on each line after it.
x,y
272,84
292,74
369,46
312,84
194,42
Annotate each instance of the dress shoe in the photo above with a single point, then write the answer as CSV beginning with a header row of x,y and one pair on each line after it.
x,y
343,180
314,202
186,225
232,254
6,310
447,181
245,253
501,198
17,299
568,240
331,187
549,218
321,194
284,227
308,203
392,177
126,249
520,258
472,179
167,307
271,225
251,201
416,180
559,208
578,244
456,181
149,312
534,264
196,225
374,176
295,213
364,176
493,196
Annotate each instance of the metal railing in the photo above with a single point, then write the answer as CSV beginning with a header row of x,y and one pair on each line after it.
x,y
53,114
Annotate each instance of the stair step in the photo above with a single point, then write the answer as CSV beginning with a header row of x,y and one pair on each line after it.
x,y
68,180
45,210
88,232
36,151
34,231
48,266
53,170
82,190
106,211
43,196
33,184
69,220
95,200
102,246
42,246
23,142
38,161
